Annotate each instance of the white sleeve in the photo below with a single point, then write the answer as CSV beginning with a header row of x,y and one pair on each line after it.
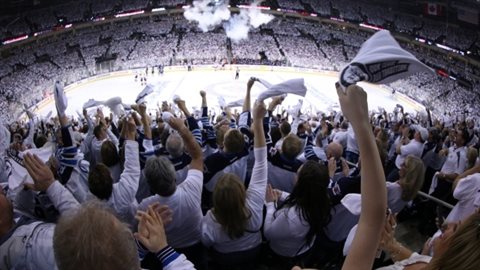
x,y
467,187
193,187
127,186
180,263
407,149
275,227
258,183
112,137
208,238
148,145
61,198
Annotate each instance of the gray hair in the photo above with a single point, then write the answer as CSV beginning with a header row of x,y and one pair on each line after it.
x,y
174,145
160,175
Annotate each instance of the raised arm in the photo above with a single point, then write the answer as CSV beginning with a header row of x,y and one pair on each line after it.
x,y
191,145
127,186
374,199
43,180
192,122
246,103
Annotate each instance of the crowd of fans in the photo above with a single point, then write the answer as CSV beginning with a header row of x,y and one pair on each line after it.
x,y
182,189
238,189
172,40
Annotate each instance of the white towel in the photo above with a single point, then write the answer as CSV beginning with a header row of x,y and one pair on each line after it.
x,y
353,203
381,60
144,93
61,101
115,105
294,86
221,102
236,103
18,173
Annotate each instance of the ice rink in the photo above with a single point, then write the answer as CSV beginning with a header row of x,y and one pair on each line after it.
x,y
321,94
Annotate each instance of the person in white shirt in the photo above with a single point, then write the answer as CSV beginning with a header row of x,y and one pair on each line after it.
x,y
353,101
404,190
466,189
456,248
455,164
120,196
184,232
409,147
341,136
92,144
351,152
291,228
26,243
232,227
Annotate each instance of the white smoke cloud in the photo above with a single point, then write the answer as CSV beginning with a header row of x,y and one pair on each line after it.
x,y
207,14
212,13
258,18
237,27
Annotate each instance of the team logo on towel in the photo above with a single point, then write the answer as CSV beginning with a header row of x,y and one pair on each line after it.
x,y
374,72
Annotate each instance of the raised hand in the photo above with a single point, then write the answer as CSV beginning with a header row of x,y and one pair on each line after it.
x,y
151,231
176,123
41,174
250,82
271,195
259,110
353,102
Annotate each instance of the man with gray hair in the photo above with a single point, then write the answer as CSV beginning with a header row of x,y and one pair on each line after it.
x,y
176,154
184,232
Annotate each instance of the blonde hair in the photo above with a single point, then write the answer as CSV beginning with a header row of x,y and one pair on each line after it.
x,y
413,179
229,207
463,250
291,146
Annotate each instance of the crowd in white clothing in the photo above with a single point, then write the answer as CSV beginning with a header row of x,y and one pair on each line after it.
x,y
283,41
302,169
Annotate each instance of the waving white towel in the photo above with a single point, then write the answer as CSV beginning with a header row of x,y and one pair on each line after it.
x,y
294,86
381,60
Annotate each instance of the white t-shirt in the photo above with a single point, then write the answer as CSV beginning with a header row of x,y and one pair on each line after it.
x,y
456,160
394,197
413,259
185,228
286,231
466,192
212,232
414,147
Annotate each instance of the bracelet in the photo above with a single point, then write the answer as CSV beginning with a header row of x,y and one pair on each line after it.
x,y
397,250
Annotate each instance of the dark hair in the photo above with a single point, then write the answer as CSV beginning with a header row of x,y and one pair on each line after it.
x,y
465,135
40,141
97,131
233,141
100,182
285,128
109,153
310,196
275,134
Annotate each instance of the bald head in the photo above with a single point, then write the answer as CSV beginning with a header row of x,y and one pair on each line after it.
x,y
334,150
